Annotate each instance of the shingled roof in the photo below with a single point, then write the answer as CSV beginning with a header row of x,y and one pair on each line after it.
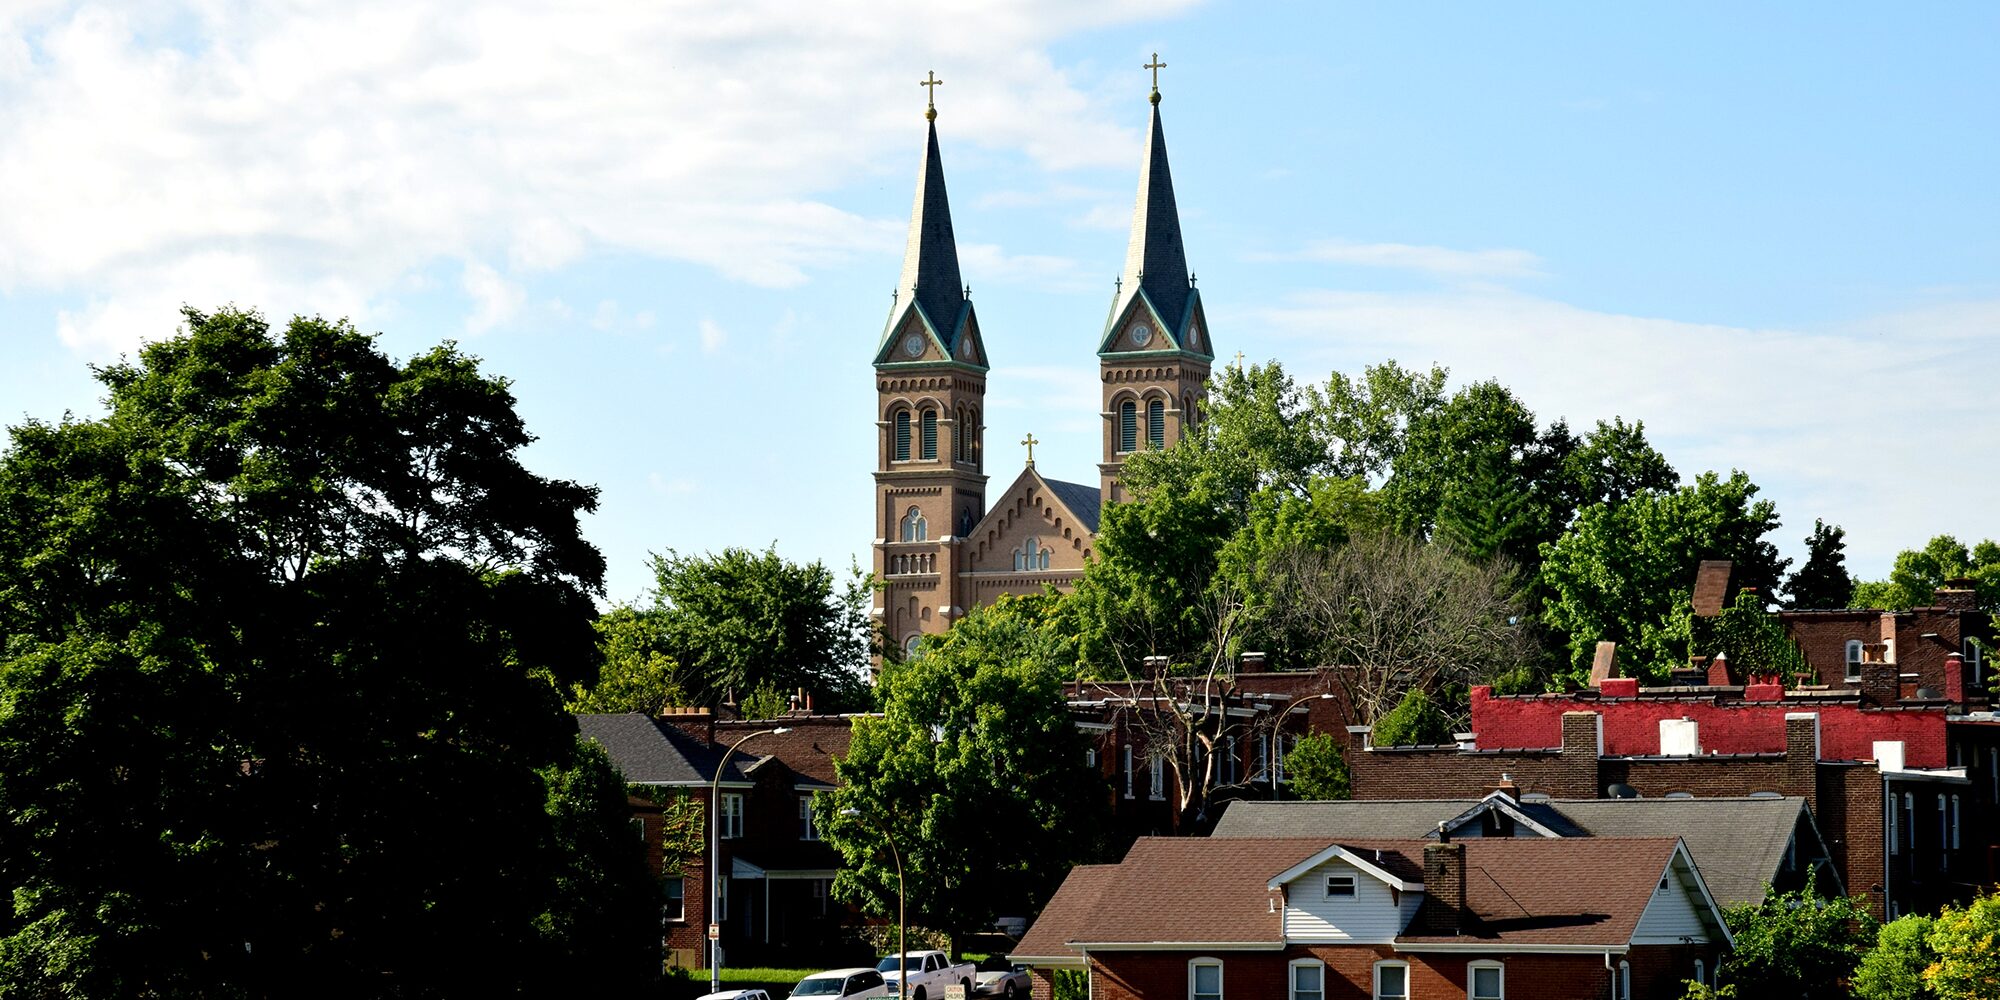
x,y
1147,899
1375,818
1086,502
1066,917
1580,892
647,751
930,257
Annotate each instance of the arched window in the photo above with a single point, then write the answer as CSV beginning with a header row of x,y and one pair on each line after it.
x,y
958,435
902,435
930,435
1156,423
915,528
1128,426
1700,972
1624,981
910,646
1853,659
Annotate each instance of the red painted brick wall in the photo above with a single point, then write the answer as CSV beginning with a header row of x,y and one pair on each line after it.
x,y
1657,973
1632,727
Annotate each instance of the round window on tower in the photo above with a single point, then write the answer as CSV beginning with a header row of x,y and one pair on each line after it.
x,y
1140,334
913,345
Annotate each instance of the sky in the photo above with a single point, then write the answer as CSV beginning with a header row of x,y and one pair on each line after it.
x,y
1766,230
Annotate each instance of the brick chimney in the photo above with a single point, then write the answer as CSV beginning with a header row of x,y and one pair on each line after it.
x,y
1802,756
1957,595
1251,663
1444,887
1881,679
1506,784
1582,745
1954,678
696,722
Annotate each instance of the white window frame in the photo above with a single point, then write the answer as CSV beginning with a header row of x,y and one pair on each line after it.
x,y
1201,962
1128,770
1292,977
732,816
1157,790
1376,991
1329,885
1854,654
1471,978
1974,659
1263,764
808,828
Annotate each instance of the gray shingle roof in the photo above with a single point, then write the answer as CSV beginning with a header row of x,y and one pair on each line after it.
x,y
647,751
1083,501
930,258
1155,259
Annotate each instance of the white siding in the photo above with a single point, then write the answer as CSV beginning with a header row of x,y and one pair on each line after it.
x,y
1672,916
1370,915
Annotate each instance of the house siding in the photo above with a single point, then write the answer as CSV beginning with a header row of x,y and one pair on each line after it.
x,y
1372,914
1671,916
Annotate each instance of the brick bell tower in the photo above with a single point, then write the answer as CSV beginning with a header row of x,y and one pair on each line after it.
x,y
930,385
1154,354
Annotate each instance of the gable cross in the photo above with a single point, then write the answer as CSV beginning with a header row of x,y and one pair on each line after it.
x,y
930,85
1031,443
1239,360
1156,66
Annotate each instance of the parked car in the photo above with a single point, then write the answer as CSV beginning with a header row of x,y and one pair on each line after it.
x,y
930,973
736,995
996,978
843,983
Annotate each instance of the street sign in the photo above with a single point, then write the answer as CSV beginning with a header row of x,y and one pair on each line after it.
x,y
954,992
715,932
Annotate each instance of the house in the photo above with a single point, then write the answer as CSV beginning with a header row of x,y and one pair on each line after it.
x,y
1923,654
1741,845
1312,918
775,872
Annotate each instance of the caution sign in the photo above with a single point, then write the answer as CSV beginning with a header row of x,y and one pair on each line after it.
x,y
715,932
954,992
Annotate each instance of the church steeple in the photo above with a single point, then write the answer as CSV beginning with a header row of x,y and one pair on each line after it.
x,y
930,258
1155,260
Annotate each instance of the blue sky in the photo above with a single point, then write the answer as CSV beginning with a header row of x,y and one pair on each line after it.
x,y
1767,230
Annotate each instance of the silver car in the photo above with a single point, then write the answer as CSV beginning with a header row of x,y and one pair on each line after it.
x,y
838,983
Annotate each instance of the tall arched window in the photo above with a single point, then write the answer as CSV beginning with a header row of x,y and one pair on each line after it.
x,y
1128,426
958,435
902,435
930,435
915,528
1156,423
1032,555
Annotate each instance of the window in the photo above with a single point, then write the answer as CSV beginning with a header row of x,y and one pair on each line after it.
x,y
1032,555
1278,759
1308,979
1339,885
808,830
1261,767
1229,764
1090,757
1156,424
1128,426
1158,786
1128,771
721,899
1974,663
1624,981
910,645
1204,979
1701,972
1910,820
929,453
1894,822
1392,981
902,435
1485,981
732,815
916,528
675,908
1853,659
639,828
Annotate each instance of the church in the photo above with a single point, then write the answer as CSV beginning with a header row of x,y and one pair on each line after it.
x,y
940,547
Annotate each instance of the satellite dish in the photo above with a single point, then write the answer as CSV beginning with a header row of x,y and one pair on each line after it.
x,y
1623,792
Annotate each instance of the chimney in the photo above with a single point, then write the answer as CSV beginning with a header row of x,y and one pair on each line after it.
x,y
1506,785
1802,756
1251,663
696,722
1954,678
1582,745
1604,664
1444,887
1957,595
1881,679
1718,671
1156,665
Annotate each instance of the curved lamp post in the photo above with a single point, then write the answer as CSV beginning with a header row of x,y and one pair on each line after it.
x,y
902,951
1278,729
715,859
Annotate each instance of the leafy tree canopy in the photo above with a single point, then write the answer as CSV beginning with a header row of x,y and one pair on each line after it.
x,y
1316,767
974,772
1417,720
1823,582
1894,968
1623,570
279,703
1964,940
1918,573
1797,944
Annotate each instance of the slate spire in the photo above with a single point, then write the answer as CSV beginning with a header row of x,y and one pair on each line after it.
x,y
1155,260
930,260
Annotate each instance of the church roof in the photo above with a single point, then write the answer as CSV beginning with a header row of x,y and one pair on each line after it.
x,y
1155,260
1083,501
930,258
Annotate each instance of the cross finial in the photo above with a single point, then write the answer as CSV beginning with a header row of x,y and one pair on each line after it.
x,y
1239,360
930,84
968,291
1031,443
1156,66
1190,279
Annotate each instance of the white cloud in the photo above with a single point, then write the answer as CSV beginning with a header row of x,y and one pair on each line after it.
x,y
344,146
989,263
713,337
1061,400
1443,261
495,300
1820,418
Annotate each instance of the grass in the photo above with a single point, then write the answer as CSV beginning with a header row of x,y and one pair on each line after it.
x,y
747,977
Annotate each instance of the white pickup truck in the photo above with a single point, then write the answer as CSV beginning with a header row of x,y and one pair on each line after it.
x,y
931,972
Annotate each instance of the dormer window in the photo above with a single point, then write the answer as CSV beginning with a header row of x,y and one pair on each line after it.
x,y
1339,885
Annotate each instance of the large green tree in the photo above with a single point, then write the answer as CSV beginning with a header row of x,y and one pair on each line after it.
x,y
727,624
1823,582
279,712
1796,944
1624,570
1918,573
974,772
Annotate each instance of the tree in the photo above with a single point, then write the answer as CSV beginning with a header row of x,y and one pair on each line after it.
x,y
1415,721
723,625
639,673
1964,939
1622,571
1797,944
1370,416
1918,573
279,699
1397,615
1823,582
1317,768
1754,639
974,772
1894,968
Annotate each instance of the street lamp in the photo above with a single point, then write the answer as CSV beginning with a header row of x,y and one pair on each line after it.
x,y
715,859
902,901
1278,730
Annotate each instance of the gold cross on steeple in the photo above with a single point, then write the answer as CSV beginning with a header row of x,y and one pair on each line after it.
x,y
930,86
1031,443
1156,66
1239,360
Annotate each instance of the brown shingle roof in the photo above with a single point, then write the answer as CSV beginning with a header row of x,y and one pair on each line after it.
x,y
1581,891
1066,915
1194,889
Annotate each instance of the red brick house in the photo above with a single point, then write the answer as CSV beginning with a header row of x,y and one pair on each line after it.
x,y
1931,653
1309,919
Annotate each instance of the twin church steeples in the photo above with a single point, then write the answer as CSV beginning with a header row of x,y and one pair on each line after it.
x,y
939,549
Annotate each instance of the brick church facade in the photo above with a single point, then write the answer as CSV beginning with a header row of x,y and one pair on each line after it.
x,y
941,545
